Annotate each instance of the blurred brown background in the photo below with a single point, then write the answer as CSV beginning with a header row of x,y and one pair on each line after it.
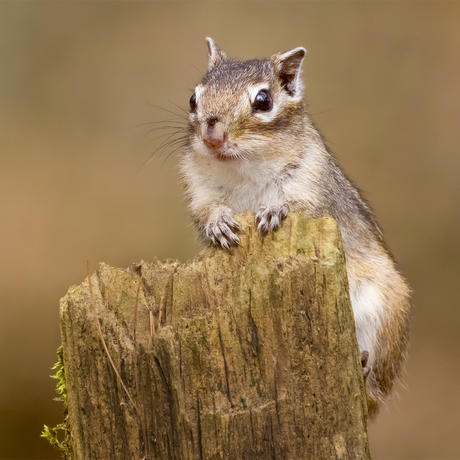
x,y
383,81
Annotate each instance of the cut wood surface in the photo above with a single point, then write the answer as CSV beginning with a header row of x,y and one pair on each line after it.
x,y
250,355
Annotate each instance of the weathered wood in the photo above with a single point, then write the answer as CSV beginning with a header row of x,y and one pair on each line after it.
x,y
250,355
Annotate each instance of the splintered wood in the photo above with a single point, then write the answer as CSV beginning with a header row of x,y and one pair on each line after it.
x,y
250,355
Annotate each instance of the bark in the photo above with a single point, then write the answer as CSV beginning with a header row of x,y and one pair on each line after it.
x,y
250,355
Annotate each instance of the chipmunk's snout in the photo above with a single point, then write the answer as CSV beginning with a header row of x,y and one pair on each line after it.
x,y
215,142
214,136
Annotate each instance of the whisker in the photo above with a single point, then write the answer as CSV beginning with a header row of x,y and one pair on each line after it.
x,y
320,113
174,142
175,150
199,71
158,128
166,142
177,121
169,143
179,107
161,147
176,139
181,145
170,111
162,135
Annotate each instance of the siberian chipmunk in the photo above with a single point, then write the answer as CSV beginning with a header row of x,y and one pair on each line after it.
x,y
251,146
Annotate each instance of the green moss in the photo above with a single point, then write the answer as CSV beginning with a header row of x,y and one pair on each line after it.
x,y
60,436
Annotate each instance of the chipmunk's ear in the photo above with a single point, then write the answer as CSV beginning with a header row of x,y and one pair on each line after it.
x,y
215,54
288,69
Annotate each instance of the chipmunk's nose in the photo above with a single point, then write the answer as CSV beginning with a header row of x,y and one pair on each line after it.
x,y
212,121
214,137
215,142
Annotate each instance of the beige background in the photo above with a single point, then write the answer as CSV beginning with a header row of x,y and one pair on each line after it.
x,y
383,81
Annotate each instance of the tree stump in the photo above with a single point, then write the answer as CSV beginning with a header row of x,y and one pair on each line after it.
x,y
250,355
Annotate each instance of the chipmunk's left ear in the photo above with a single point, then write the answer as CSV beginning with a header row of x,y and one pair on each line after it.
x,y
288,68
215,54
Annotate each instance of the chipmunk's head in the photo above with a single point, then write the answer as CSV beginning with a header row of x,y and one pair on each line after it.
x,y
245,109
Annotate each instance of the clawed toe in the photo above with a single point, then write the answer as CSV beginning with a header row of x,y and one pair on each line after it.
x,y
268,219
222,232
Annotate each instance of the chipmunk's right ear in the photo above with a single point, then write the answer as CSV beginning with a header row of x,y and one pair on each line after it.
x,y
215,54
288,68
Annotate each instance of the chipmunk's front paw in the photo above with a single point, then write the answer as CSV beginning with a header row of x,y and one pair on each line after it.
x,y
269,218
366,369
222,231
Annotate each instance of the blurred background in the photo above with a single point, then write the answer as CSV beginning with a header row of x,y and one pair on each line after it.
x,y
78,82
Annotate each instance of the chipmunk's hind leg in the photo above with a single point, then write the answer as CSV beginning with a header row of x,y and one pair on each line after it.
x,y
366,369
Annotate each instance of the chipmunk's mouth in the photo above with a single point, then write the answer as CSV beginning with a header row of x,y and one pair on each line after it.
x,y
224,154
221,149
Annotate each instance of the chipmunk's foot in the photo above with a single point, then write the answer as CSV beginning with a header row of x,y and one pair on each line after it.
x,y
222,232
268,219
364,359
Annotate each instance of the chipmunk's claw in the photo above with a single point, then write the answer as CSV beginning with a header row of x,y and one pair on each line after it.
x,y
222,232
269,219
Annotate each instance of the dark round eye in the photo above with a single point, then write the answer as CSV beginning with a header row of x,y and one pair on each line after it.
x,y
263,101
193,103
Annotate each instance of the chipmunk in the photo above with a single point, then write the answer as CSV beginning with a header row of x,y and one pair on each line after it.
x,y
251,146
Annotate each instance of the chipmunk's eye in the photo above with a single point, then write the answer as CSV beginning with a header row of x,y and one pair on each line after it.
x,y
263,101
193,103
